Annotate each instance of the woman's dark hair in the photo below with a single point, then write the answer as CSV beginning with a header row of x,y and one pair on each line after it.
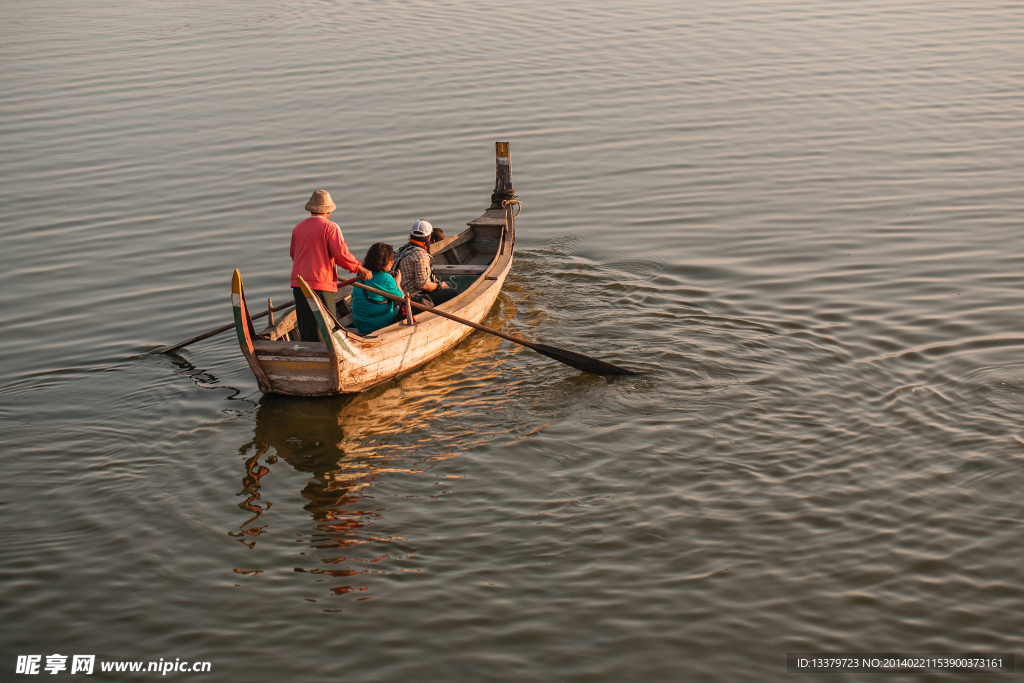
x,y
377,256
436,235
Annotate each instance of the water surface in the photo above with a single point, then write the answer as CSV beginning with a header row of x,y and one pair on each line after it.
x,y
800,221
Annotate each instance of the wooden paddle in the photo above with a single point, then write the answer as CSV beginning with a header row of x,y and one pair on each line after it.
x,y
231,326
570,358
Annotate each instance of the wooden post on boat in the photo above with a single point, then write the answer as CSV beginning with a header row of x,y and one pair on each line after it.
x,y
502,176
408,309
493,221
270,311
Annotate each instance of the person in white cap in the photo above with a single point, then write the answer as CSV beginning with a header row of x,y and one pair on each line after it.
x,y
317,249
414,264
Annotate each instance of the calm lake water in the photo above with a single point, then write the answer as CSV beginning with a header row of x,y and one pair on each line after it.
x,y
802,221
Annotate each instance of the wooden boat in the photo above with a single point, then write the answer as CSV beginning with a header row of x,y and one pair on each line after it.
x,y
349,362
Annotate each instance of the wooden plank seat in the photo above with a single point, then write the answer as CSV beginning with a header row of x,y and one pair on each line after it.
x,y
479,260
466,269
291,348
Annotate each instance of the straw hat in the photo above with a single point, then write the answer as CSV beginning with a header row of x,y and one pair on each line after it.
x,y
321,202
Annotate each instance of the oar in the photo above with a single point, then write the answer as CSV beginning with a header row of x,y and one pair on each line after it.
x,y
231,326
570,358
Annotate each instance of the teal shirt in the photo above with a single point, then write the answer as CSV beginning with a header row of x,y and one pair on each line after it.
x,y
370,317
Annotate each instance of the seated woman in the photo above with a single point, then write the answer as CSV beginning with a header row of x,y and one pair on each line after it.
x,y
371,312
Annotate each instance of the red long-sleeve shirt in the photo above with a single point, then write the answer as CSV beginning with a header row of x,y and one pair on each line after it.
x,y
317,247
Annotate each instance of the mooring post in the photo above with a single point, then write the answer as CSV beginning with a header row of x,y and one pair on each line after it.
x,y
502,176
270,311
494,216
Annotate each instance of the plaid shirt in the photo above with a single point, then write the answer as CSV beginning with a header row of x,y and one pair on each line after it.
x,y
415,264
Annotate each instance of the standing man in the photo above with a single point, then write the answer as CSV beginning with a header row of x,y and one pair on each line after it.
x,y
414,263
317,249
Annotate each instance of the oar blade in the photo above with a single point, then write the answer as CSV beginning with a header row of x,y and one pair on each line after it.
x,y
581,362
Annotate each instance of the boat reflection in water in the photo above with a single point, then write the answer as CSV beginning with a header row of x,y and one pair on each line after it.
x,y
345,443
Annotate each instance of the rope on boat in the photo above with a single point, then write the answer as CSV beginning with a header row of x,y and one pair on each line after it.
x,y
499,197
510,211
511,201
510,216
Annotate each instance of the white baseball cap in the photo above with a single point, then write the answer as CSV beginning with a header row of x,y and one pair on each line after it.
x,y
421,228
